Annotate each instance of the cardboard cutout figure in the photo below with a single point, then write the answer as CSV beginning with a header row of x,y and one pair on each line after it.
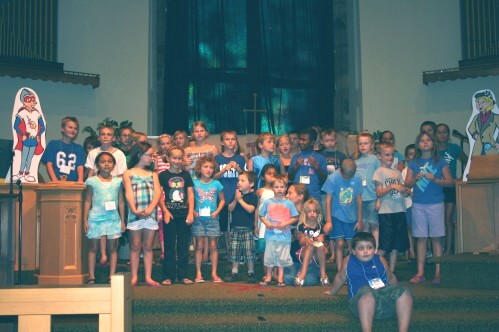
x,y
483,126
28,129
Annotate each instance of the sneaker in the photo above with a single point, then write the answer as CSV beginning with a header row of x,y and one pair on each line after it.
x,y
251,278
232,278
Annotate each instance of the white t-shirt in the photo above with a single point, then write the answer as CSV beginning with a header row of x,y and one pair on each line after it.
x,y
118,169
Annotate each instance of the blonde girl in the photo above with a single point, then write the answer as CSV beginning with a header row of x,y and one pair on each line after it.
x,y
311,238
210,201
161,164
178,217
284,149
142,192
197,149
367,163
104,212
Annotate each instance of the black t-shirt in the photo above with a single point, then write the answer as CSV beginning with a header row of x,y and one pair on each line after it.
x,y
175,188
241,217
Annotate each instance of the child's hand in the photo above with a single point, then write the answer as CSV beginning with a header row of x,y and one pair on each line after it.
x,y
214,215
167,216
269,226
313,162
85,227
377,206
190,219
430,176
328,227
400,188
123,227
196,214
238,195
358,226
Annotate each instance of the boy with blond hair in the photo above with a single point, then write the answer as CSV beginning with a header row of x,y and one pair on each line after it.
x,y
265,145
64,158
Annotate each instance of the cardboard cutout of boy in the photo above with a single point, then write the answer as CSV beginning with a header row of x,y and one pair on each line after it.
x,y
483,126
28,130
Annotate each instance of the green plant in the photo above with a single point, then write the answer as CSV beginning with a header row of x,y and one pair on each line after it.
x,y
107,122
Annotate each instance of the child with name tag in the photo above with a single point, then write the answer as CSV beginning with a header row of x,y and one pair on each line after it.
x,y
367,164
308,167
373,290
64,158
210,201
143,192
278,214
104,212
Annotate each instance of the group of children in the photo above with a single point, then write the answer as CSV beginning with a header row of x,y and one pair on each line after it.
x,y
297,201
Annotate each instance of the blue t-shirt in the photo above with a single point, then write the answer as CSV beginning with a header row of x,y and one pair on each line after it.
x,y
450,155
65,157
344,194
308,173
229,178
359,273
277,210
206,196
366,166
426,191
259,161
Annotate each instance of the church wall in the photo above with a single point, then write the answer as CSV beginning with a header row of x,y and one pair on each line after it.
x,y
110,38
398,41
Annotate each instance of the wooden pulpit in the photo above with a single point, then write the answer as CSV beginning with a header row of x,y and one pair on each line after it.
x,y
477,203
62,248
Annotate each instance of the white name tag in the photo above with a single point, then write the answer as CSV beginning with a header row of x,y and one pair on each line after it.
x,y
65,169
305,179
110,205
376,283
277,231
364,182
204,212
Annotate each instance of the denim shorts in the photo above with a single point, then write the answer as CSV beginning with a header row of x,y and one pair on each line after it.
x,y
203,226
148,223
342,229
369,213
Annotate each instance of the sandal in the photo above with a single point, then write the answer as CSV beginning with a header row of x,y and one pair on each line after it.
x,y
416,280
436,282
324,281
264,283
217,280
166,282
91,282
280,284
299,282
199,281
187,281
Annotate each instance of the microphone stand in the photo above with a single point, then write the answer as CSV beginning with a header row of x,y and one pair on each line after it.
x,y
11,185
20,250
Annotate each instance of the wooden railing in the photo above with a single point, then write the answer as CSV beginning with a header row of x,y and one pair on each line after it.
x,y
35,305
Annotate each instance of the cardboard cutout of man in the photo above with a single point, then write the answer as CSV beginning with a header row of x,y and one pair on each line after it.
x,y
28,126
483,126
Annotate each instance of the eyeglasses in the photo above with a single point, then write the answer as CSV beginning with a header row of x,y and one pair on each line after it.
x,y
29,99
150,155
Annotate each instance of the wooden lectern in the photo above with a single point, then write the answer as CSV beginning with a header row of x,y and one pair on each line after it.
x,y
62,251
478,207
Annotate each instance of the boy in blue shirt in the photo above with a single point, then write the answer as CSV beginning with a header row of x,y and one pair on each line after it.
x,y
373,290
64,158
308,166
343,206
